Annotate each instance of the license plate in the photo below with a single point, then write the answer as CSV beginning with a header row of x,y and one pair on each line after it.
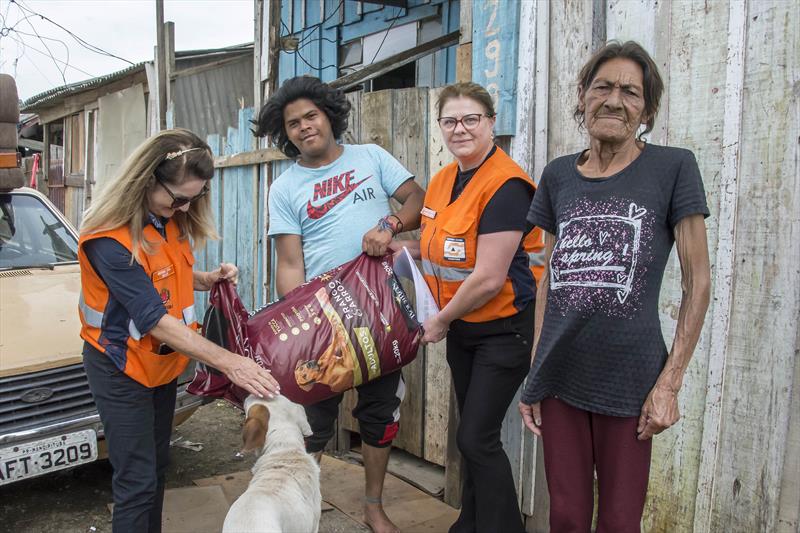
x,y
32,459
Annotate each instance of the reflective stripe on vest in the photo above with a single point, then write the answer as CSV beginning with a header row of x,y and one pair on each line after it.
x,y
95,318
536,258
92,317
134,331
445,273
189,316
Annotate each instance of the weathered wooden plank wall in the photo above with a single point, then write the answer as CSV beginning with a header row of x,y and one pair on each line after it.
x,y
731,71
237,201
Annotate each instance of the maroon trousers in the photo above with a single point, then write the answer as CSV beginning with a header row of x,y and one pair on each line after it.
x,y
576,443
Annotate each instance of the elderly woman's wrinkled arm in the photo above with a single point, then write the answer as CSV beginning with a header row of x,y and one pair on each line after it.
x,y
660,409
492,261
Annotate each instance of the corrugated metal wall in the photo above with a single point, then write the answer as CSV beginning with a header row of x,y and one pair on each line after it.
x,y
208,102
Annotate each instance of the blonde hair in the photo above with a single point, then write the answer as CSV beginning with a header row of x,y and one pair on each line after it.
x,y
124,201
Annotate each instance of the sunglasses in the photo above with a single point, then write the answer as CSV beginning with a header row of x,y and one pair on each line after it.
x,y
180,201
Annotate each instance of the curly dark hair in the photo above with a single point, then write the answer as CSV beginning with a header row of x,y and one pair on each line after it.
x,y
330,101
653,84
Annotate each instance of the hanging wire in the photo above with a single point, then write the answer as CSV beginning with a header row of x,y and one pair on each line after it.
x,y
32,62
28,46
298,54
384,39
62,43
87,45
50,53
326,19
19,55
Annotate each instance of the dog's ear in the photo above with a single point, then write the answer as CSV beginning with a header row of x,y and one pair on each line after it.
x,y
254,432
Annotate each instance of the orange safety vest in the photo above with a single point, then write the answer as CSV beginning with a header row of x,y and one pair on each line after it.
x,y
170,269
449,239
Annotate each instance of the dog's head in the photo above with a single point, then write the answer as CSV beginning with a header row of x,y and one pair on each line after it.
x,y
260,412
306,373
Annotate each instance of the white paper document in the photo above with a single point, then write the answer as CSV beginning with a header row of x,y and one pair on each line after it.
x,y
405,267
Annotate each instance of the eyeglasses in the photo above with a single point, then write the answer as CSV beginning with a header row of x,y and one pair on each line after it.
x,y
180,201
469,122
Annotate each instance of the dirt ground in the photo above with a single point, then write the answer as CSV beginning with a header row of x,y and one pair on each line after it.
x,y
76,500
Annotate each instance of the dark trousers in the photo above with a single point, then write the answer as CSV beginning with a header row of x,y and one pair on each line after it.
x,y
488,361
576,443
137,421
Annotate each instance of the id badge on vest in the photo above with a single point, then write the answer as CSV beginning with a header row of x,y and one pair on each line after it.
x,y
455,249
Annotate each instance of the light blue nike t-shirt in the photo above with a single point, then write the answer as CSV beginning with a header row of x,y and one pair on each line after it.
x,y
333,206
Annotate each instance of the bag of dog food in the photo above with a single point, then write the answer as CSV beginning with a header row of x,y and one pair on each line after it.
x,y
348,326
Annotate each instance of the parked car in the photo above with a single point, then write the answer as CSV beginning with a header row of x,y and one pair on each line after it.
x,y
48,420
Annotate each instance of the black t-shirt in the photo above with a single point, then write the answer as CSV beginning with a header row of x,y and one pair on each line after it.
x,y
506,211
601,348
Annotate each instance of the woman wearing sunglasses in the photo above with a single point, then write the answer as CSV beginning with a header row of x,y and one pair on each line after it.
x,y
475,259
137,312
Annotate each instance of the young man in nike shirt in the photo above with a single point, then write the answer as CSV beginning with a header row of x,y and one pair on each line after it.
x,y
328,207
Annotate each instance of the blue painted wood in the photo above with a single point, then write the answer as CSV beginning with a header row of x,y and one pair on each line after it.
x,y
246,218
390,13
214,248
376,21
313,12
495,30
329,53
368,7
261,238
297,16
286,17
351,14
285,67
206,259
230,179
440,58
333,13
320,50
453,23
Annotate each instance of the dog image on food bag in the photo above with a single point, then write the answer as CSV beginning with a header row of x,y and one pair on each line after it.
x,y
284,494
334,367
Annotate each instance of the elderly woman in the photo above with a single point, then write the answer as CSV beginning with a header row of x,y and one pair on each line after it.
x,y
602,382
475,262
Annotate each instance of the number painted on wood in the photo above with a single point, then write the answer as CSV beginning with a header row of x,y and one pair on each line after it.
x,y
492,52
491,28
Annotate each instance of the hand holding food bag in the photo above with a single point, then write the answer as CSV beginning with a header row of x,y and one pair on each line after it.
x,y
343,328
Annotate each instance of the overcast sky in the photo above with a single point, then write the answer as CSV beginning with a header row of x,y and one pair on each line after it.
x,y
125,28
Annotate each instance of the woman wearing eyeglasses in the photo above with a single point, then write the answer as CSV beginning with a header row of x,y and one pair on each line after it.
x,y
137,312
475,259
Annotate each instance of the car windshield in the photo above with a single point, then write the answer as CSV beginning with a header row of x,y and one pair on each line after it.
x,y
31,235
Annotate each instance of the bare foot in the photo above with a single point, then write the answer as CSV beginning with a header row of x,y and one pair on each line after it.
x,y
376,519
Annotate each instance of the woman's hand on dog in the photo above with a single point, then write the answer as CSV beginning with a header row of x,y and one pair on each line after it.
x,y
247,374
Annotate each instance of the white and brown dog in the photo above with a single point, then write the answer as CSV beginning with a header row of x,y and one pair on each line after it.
x,y
283,495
